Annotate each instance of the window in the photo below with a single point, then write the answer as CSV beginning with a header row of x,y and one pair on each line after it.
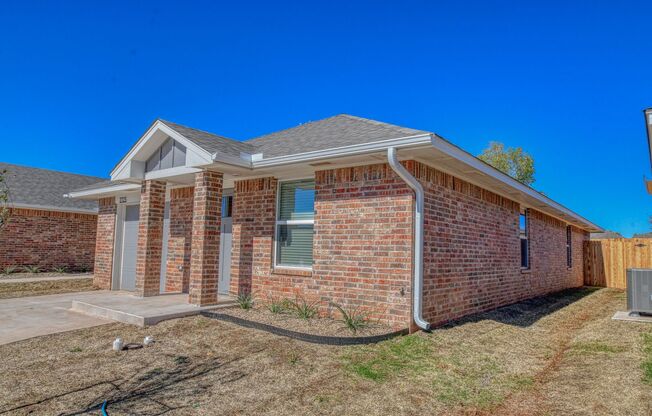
x,y
294,223
170,154
569,248
524,234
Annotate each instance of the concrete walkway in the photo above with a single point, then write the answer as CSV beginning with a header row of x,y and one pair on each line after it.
x,y
28,317
45,279
33,316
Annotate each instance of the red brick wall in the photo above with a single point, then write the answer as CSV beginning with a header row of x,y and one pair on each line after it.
x,y
48,239
362,243
205,250
472,251
180,240
253,219
150,238
104,245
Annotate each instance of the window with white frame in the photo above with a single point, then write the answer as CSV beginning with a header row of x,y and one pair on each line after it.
x,y
295,221
569,247
524,234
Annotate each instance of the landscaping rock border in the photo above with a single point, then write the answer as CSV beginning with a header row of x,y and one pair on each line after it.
x,y
315,339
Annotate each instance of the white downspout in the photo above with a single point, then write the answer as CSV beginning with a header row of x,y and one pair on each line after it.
x,y
417,280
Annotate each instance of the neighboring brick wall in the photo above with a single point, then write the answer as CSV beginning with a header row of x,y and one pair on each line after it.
x,y
205,256
472,251
48,239
150,238
179,240
104,244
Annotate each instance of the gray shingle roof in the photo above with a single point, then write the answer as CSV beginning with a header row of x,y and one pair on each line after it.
x,y
42,187
606,234
642,235
337,131
211,142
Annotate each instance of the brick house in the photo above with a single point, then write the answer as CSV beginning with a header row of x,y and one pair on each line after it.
x,y
348,210
44,228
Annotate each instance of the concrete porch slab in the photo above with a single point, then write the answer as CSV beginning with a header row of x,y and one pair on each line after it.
x,y
625,316
130,309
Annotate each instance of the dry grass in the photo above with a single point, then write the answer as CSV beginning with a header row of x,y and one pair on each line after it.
x,y
51,287
558,355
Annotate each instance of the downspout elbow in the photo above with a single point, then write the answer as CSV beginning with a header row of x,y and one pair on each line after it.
x,y
417,279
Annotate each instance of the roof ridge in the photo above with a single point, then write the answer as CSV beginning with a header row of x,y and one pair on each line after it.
x,y
52,170
377,122
196,129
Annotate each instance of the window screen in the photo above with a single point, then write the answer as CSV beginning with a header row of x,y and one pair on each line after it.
x,y
295,223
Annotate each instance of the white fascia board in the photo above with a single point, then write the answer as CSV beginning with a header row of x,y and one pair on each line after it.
x,y
105,190
160,126
356,149
232,160
465,157
166,173
53,208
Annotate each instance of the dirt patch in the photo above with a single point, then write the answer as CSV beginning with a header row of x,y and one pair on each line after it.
x,y
535,357
314,326
51,287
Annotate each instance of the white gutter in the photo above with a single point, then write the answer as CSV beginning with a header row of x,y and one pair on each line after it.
x,y
417,279
91,193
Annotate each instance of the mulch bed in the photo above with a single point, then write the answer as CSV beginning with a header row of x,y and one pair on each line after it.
x,y
315,326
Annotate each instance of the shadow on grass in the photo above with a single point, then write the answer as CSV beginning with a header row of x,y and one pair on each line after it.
x,y
527,312
156,391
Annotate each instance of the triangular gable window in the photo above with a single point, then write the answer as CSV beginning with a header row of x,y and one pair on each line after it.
x,y
171,154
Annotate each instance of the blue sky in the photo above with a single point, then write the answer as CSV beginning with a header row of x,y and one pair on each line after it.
x,y
81,81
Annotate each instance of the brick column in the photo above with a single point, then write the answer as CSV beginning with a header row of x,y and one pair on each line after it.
x,y
150,238
206,221
104,244
180,240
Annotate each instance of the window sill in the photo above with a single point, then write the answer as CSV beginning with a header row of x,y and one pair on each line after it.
x,y
292,272
526,271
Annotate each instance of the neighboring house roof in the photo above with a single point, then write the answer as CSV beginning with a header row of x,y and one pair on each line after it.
x,y
643,235
605,235
338,131
42,188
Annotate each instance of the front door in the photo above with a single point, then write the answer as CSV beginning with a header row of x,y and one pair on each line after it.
x,y
225,244
129,248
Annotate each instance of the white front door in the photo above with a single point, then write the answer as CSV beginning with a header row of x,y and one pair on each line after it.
x,y
224,279
129,248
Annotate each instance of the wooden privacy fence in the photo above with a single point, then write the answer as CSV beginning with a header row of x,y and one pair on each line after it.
x,y
606,261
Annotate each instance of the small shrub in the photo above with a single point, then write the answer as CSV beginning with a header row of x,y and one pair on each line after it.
x,y
59,269
275,305
9,270
353,319
303,308
32,269
245,300
75,349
